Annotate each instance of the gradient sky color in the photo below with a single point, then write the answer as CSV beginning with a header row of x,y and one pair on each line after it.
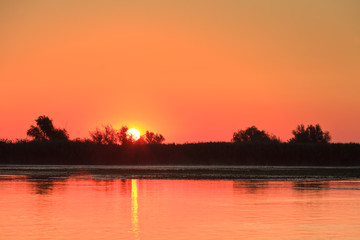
x,y
192,70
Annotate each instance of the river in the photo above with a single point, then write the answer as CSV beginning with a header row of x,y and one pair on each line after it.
x,y
89,206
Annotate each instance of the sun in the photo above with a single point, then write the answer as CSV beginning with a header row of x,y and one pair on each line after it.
x,y
134,133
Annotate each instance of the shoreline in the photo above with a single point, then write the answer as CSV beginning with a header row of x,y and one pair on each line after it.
x,y
200,154
301,173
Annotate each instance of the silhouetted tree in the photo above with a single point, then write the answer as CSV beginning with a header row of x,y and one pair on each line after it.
x,y
110,136
312,134
59,134
107,136
36,133
252,134
96,136
4,140
154,138
45,130
124,137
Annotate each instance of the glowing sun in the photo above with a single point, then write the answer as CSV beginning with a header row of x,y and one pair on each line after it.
x,y
133,133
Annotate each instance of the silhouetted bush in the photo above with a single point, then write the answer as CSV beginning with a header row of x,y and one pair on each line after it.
x,y
111,136
312,134
124,137
107,136
45,130
154,138
252,134
4,140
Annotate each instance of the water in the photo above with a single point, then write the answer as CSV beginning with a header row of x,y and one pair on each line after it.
x,y
90,206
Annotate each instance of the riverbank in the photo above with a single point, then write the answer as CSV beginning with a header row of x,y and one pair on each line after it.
x,y
247,154
179,172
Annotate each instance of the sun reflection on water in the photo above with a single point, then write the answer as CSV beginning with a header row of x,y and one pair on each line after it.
x,y
134,209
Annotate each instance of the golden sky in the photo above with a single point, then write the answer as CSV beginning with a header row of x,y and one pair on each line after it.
x,y
193,70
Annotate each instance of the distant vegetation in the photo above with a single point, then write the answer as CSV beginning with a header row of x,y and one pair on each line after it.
x,y
312,134
255,154
109,135
112,136
45,130
49,145
252,134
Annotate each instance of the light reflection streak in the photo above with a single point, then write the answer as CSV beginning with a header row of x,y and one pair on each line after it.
x,y
134,209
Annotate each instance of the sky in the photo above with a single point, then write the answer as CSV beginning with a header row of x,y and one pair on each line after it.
x,y
192,70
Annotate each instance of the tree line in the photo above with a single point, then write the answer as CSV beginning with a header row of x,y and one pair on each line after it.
x,y
109,146
310,134
44,130
109,135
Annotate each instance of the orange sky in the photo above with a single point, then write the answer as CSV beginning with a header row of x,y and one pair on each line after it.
x,y
193,70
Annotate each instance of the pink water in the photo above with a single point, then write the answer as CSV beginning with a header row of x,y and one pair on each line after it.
x,y
90,208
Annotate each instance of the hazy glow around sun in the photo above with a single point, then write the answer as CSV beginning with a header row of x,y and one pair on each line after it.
x,y
134,133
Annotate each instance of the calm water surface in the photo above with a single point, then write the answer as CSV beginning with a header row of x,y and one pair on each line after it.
x,y
91,207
